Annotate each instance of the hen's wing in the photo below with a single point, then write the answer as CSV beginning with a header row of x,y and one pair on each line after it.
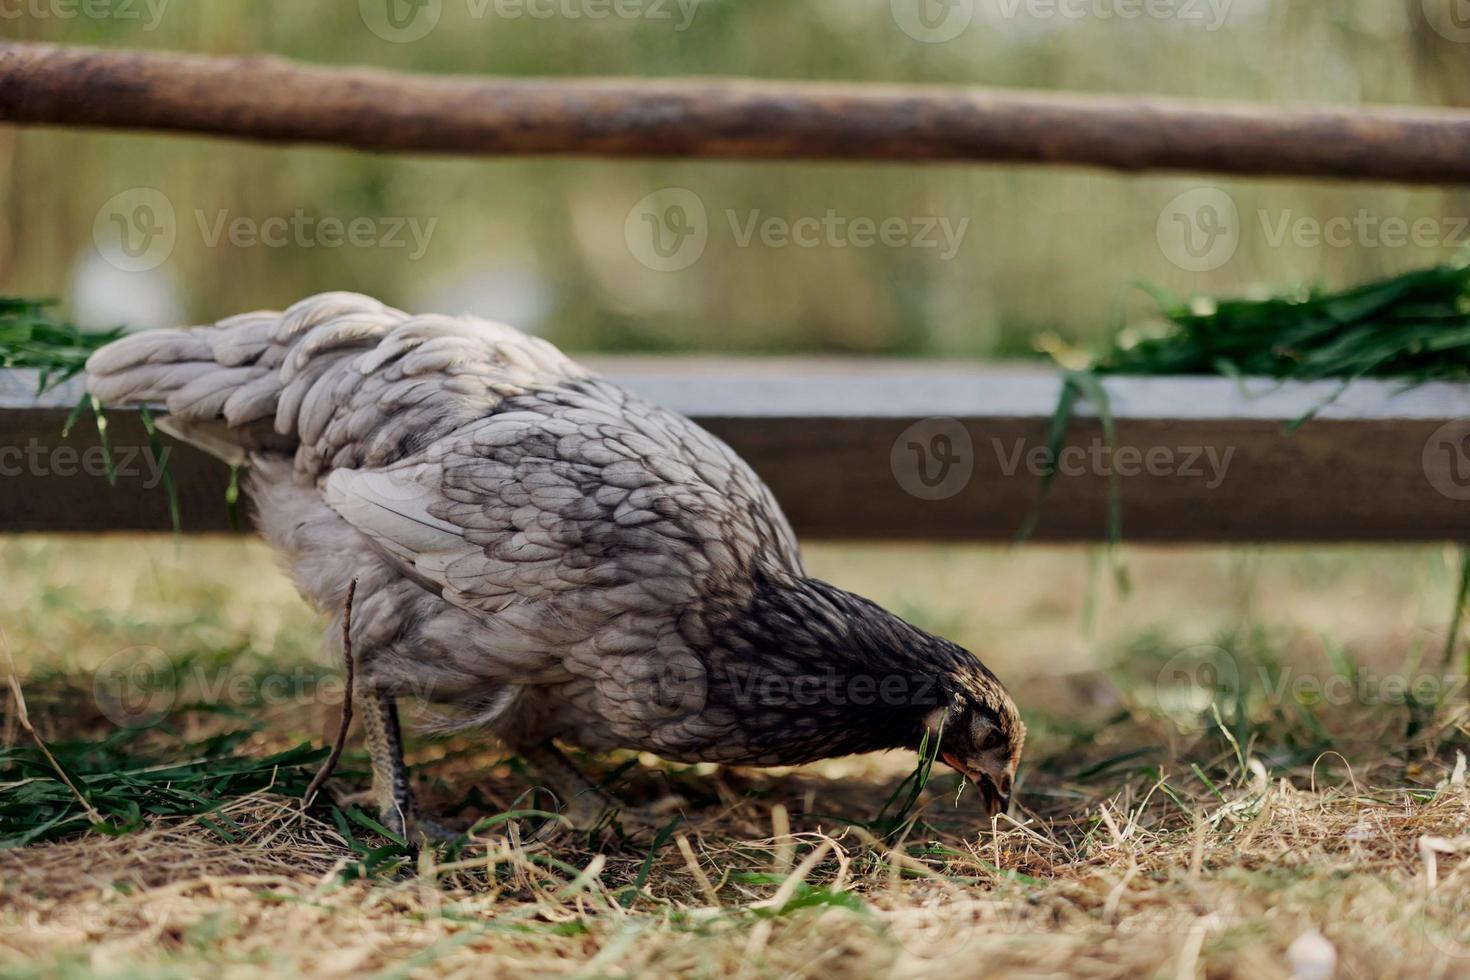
x,y
574,487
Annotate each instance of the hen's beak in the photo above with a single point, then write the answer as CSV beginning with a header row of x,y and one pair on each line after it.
x,y
997,798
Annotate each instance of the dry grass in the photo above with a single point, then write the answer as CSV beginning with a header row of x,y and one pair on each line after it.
x,y
1150,841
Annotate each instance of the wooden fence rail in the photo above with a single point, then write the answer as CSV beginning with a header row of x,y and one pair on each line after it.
x,y
274,100
858,450
874,450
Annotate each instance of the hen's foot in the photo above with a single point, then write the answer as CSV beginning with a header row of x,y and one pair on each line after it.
x,y
583,806
414,827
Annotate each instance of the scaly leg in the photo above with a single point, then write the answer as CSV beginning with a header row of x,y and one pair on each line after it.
x,y
391,790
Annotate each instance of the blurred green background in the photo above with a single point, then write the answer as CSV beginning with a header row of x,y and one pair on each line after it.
x,y
544,243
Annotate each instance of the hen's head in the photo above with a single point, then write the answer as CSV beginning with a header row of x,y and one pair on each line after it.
x,y
810,671
980,733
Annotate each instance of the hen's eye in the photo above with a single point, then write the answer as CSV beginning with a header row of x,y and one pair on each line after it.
x,y
992,741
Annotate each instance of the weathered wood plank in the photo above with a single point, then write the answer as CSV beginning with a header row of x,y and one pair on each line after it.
x,y
842,443
274,100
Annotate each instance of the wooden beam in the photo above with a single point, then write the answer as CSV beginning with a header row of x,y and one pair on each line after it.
x,y
840,442
278,101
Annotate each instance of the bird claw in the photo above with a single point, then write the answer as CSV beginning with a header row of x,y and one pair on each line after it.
x,y
415,828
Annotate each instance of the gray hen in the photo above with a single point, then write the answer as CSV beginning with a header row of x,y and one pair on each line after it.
x,y
546,553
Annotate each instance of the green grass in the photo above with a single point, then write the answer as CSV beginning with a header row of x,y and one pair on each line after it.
x,y
113,786
33,337
1413,327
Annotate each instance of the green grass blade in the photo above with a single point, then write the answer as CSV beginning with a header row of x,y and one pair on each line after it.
x,y
160,460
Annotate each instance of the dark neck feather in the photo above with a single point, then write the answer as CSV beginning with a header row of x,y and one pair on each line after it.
x,y
814,672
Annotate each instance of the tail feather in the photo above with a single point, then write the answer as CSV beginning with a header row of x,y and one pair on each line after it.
x,y
337,380
148,383
218,383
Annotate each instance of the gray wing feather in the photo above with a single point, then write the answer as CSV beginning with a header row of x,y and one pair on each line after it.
x,y
483,461
558,493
